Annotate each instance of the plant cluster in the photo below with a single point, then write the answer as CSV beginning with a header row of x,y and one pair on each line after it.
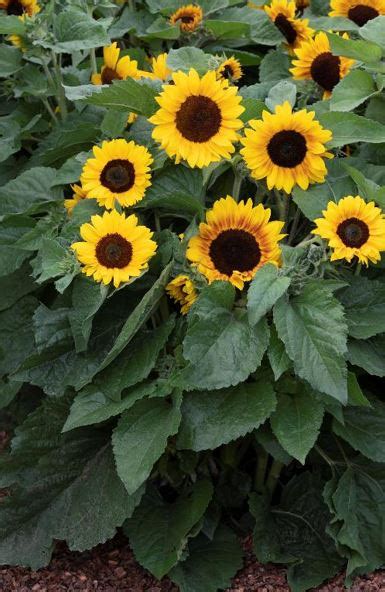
x,y
192,295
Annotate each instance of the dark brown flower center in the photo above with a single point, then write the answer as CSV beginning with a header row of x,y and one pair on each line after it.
x,y
113,250
286,28
361,14
287,148
198,119
353,232
234,250
118,175
325,70
108,75
186,18
227,72
15,7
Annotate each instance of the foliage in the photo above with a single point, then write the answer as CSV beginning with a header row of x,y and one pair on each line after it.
x,y
260,408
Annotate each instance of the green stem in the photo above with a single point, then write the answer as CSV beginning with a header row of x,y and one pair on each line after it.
x,y
163,309
157,221
94,66
309,241
273,476
260,473
294,226
61,99
238,178
50,110
48,74
358,269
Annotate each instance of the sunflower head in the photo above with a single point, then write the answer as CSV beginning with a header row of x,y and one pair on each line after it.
x,y
301,5
114,248
114,67
316,62
78,195
20,7
182,290
119,172
287,148
230,70
159,67
235,241
295,31
189,17
353,228
198,118
358,11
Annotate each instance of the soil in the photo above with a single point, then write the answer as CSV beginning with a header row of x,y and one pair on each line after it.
x,y
111,567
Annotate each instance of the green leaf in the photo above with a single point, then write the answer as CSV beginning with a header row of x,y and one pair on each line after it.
x,y
368,355
67,489
356,49
210,419
51,327
11,25
10,60
253,109
356,396
352,90
12,229
276,352
138,317
16,334
186,58
274,67
281,92
210,564
357,501
294,532
297,422
15,286
348,128
8,391
75,30
374,31
28,191
126,95
158,531
100,400
221,347
265,289
53,261
140,438
364,303
87,298
305,324
364,430
222,30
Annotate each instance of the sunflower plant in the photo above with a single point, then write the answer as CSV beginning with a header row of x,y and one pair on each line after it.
x,y
192,294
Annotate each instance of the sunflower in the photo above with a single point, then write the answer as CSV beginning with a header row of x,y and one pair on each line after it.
x,y
353,228
78,195
295,31
287,148
119,171
230,69
236,240
114,248
159,67
189,17
358,11
198,118
316,62
115,68
301,5
20,7
182,290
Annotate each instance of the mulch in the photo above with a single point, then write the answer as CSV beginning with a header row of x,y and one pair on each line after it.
x,y
111,567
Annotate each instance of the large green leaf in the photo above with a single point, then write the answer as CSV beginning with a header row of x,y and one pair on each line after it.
x,y
368,354
353,90
186,58
141,436
348,128
357,501
364,429
364,304
87,297
294,532
356,49
276,352
75,30
210,564
16,334
264,291
158,530
305,324
12,229
297,422
127,95
31,189
16,285
221,347
67,489
10,60
210,419
374,31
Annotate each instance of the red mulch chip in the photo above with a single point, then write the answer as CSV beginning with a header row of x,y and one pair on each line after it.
x,y
112,568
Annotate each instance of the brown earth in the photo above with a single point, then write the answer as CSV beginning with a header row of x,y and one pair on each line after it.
x,y
112,568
